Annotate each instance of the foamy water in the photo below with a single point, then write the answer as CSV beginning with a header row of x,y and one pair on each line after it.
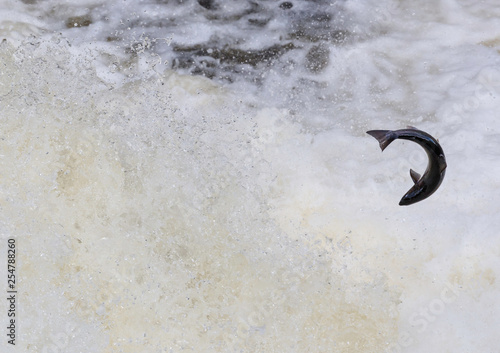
x,y
181,177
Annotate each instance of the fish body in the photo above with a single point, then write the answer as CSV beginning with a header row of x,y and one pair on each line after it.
x,y
425,185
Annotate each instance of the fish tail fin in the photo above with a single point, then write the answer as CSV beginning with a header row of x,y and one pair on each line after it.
x,y
384,137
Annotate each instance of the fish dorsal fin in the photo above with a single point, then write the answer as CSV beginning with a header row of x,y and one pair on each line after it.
x,y
414,176
411,127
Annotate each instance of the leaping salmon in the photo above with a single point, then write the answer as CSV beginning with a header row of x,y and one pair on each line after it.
x,y
428,183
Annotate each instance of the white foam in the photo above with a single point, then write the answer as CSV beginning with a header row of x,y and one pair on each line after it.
x,y
165,212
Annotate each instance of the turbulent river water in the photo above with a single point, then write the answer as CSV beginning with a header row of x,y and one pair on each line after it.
x,y
195,176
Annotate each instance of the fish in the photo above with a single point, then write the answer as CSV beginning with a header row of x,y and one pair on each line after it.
x,y
425,185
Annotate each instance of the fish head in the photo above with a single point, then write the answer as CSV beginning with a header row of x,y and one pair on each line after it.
x,y
405,201
409,197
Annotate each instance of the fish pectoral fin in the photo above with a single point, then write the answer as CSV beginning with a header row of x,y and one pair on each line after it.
x,y
414,176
